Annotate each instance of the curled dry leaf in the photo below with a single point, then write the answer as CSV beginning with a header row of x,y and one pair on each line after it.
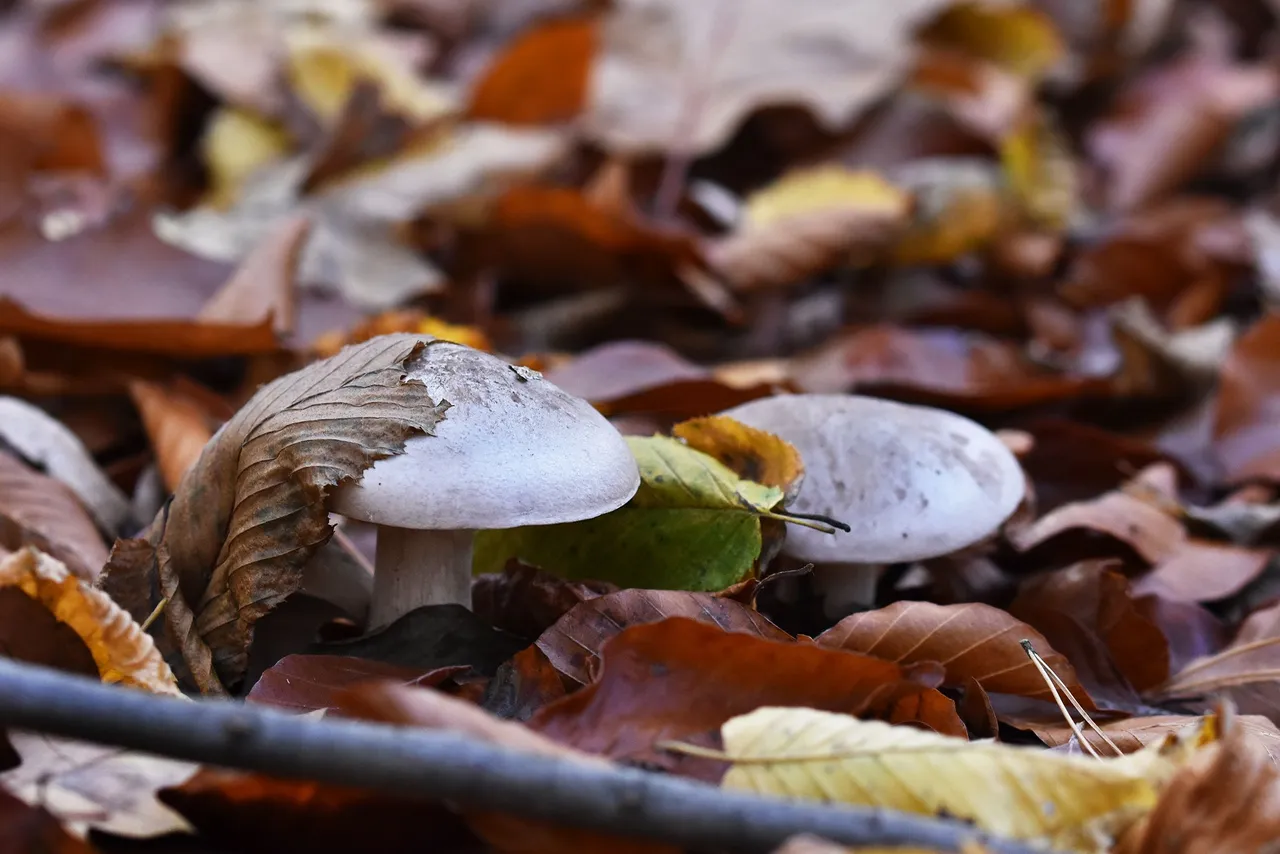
x,y
573,644
1249,663
122,652
1081,802
251,511
680,679
178,426
45,442
39,511
1153,535
972,641
808,222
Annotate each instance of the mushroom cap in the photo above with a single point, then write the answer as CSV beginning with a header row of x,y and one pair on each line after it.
x,y
912,482
511,450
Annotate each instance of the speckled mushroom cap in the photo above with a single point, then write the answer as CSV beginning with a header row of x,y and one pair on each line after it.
x,y
912,482
512,450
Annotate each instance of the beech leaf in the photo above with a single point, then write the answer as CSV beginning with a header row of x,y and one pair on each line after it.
x,y
251,511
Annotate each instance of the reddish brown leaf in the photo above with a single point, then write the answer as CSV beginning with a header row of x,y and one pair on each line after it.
x,y
523,685
179,424
30,632
256,813
526,601
1191,630
1245,439
39,511
938,367
680,679
25,829
304,683
1087,612
973,642
575,641
540,77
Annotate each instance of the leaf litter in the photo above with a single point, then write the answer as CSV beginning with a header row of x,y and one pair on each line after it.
x,y
227,230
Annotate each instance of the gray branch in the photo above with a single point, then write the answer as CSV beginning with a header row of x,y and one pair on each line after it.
x,y
447,766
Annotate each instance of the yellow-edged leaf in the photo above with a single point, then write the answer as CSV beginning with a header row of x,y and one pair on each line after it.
x,y
1018,38
751,453
1072,802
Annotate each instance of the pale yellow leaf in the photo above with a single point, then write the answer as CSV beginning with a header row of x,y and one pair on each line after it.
x,y
1075,803
236,144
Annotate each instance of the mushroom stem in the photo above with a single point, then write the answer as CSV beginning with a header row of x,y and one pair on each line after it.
x,y
846,587
419,567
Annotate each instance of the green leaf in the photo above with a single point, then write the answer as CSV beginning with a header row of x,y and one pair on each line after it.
x,y
693,525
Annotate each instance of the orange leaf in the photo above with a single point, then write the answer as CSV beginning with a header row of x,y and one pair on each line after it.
x,y
541,77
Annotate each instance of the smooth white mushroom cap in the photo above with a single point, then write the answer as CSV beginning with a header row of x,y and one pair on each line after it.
x,y
511,450
912,482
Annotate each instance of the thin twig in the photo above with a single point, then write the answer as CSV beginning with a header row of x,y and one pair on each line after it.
x,y
450,766
155,613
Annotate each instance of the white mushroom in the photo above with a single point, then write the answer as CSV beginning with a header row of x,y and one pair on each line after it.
x,y
511,450
912,482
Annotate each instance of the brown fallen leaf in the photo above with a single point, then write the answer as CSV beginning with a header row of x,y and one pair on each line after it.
x,y
938,367
24,827
39,511
1226,798
526,601
1204,571
121,651
1151,533
636,103
1244,439
266,815
680,679
263,286
220,564
305,683
541,75
180,419
574,643
646,377
1089,613
972,641
399,705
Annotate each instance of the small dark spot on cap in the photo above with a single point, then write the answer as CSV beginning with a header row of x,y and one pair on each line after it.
x,y
900,492
904,535
515,397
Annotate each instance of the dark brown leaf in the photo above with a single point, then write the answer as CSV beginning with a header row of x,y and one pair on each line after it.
x,y
36,510
526,601
304,683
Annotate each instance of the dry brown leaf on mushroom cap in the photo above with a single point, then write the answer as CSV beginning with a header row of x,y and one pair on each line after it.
x,y
251,511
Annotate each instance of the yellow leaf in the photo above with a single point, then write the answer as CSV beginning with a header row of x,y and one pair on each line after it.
x,y
961,205
122,651
1020,39
1071,802
236,143
752,454
1041,173
324,67
826,189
